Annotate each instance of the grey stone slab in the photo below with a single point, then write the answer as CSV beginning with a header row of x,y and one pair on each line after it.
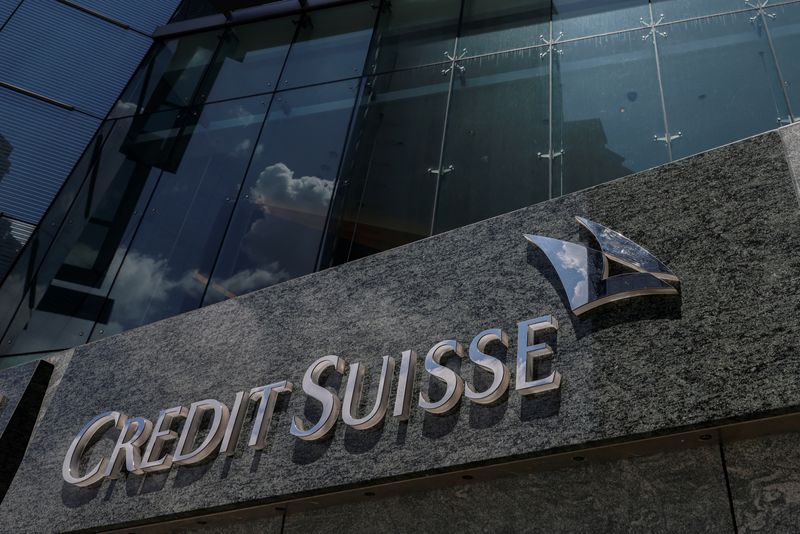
x,y
726,222
682,491
791,143
764,476
22,390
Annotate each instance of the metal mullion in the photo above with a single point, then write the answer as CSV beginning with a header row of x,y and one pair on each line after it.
x,y
362,80
247,168
32,272
438,171
452,73
781,79
550,117
667,135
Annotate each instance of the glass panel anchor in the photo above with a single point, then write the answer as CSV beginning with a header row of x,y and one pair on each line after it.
x,y
454,59
551,45
446,170
666,139
652,25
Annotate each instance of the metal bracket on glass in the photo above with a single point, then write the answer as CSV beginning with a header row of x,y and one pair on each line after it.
x,y
653,27
446,170
667,139
455,59
762,10
551,45
782,121
550,155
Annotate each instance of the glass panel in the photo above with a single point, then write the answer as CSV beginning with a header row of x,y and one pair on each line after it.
x,y
387,189
414,32
331,45
580,18
685,9
169,76
13,236
85,63
144,17
249,61
608,110
22,274
497,123
496,25
785,33
167,265
39,144
77,271
278,222
720,82
6,9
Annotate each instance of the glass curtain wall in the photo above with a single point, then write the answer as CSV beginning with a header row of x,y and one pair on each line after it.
x,y
241,157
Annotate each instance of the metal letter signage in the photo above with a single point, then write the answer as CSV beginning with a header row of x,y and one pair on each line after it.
x,y
584,272
143,447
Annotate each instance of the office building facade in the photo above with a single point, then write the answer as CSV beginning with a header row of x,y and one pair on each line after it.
x,y
188,229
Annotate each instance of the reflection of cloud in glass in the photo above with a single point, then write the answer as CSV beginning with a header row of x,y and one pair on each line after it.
x,y
144,282
573,258
251,280
277,186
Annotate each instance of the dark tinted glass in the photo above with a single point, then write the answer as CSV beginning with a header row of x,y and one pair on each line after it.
x,y
498,121
496,25
249,60
388,180
331,44
720,82
277,226
69,290
190,9
785,33
686,9
580,18
13,236
608,110
39,144
167,265
169,76
6,9
144,17
414,32
23,272
86,63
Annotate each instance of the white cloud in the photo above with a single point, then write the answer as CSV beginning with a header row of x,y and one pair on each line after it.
x,y
276,185
143,282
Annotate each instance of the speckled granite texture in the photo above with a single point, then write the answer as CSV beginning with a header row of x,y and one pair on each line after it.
x,y
764,475
22,390
678,492
726,222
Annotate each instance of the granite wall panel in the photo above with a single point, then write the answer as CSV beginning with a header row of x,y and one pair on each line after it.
x,y
726,222
764,476
681,491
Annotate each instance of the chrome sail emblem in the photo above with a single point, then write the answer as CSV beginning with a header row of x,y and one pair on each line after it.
x,y
584,272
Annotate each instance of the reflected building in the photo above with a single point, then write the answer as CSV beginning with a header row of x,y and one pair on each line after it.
x,y
332,197
258,142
